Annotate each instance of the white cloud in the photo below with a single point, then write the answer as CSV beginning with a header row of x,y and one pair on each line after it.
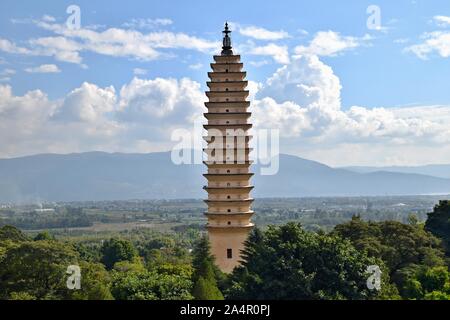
x,y
68,44
442,21
434,42
126,43
259,63
139,72
48,18
302,99
305,81
157,99
278,52
10,47
401,40
138,118
45,68
147,23
331,43
262,33
7,72
5,75
88,103
196,66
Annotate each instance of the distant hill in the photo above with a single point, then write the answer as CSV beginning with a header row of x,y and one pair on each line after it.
x,y
105,176
434,170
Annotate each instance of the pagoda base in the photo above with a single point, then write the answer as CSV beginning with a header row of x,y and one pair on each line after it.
x,y
224,239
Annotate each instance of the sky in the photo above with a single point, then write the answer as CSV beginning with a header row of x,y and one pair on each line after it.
x,y
354,83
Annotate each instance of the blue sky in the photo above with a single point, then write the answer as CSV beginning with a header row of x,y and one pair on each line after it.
x,y
403,64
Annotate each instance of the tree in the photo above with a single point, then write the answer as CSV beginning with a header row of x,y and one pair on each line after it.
x,y
438,223
206,290
116,250
43,236
402,247
428,284
150,286
95,283
12,233
130,266
288,262
36,269
205,273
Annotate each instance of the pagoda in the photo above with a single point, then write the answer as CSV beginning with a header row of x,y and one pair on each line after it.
x,y
228,176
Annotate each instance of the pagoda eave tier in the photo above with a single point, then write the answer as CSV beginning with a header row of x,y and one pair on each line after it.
x,y
214,83
227,115
247,226
228,189
228,176
220,58
227,75
244,215
243,94
245,126
227,202
227,64
211,141
224,150
222,104
216,164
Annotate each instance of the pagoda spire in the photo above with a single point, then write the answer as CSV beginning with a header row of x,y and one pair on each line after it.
x,y
227,48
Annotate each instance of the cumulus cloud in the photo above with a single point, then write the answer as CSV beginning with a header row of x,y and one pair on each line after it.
x,y
279,53
138,118
305,81
45,68
196,66
302,99
68,44
10,47
260,33
331,43
122,42
148,23
442,21
139,72
160,101
434,42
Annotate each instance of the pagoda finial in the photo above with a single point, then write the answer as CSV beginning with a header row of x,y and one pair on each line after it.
x,y
227,48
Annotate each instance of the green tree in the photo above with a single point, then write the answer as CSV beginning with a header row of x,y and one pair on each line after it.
x,y
288,262
402,247
43,236
428,284
130,266
438,223
95,283
150,286
205,273
12,233
434,279
37,269
116,250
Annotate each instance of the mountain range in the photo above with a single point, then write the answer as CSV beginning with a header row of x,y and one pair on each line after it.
x,y
119,176
435,170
